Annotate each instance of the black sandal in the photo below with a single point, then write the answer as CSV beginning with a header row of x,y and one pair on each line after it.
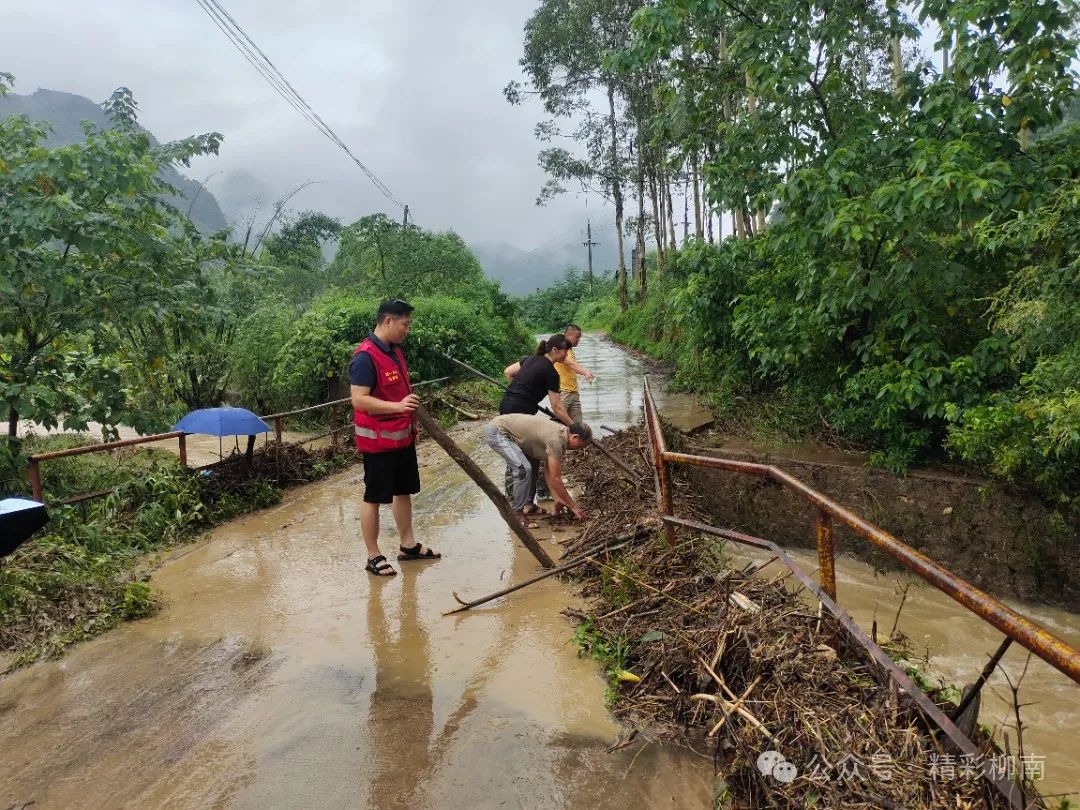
x,y
413,553
379,567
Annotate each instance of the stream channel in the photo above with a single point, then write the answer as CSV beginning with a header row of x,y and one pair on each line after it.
x,y
279,674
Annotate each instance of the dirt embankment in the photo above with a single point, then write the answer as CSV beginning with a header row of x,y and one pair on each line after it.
x,y
1006,542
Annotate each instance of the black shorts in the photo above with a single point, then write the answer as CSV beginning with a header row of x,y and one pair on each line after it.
x,y
394,472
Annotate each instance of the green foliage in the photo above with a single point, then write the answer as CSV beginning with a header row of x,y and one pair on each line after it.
x,y
87,244
313,361
1031,430
916,280
552,308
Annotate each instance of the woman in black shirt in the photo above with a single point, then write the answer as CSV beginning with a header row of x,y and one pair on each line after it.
x,y
534,378
531,380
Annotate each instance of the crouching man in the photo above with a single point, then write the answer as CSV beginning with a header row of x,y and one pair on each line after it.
x,y
519,437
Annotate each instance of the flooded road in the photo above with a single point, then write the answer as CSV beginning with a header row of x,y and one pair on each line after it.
x,y
279,674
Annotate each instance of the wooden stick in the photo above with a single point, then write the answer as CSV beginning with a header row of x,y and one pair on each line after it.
x,y
549,573
732,696
734,706
476,474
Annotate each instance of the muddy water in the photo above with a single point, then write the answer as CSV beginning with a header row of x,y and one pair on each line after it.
x,y
614,397
280,675
952,646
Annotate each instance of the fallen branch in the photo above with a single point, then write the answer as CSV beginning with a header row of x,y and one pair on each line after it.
x,y
447,403
476,474
587,557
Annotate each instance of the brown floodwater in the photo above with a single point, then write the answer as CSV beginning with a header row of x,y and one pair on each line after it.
x,y
952,645
279,674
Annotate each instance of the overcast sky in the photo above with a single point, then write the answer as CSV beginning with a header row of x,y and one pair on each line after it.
x,y
412,86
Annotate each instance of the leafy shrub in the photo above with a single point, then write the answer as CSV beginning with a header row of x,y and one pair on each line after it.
x,y
313,361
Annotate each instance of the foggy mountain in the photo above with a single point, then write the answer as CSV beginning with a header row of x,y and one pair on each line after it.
x,y
524,271
65,110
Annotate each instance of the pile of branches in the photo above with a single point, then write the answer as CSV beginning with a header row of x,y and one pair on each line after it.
x,y
736,663
277,464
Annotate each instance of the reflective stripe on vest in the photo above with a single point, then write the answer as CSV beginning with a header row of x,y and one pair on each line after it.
x,y
393,435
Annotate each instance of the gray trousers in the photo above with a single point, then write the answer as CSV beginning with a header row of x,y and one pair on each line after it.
x,y
521,468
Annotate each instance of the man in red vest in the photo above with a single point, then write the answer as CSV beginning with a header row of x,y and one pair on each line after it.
x,y
385,427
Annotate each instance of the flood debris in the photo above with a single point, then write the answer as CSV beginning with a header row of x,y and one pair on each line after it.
x,y
737,664
278,464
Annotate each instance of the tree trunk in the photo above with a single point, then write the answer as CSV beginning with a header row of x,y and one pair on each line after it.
x,y
476,474
894,45
616,195
748,223
698,232
685,211
13,423
658,224
639,269
672,245
737,224
760,221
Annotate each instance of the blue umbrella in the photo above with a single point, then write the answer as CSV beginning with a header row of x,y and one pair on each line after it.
x,y
222,422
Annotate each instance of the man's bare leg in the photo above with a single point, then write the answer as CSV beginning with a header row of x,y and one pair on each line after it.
x,y
369,525
402,508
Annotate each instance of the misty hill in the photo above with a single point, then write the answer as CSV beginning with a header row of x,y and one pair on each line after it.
x,y
65,110
525,271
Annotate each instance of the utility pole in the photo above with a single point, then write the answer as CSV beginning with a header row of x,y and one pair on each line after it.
x,y
405,221
590,244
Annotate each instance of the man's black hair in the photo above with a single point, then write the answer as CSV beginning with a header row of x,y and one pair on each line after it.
x,y
571,327
395,307
582,430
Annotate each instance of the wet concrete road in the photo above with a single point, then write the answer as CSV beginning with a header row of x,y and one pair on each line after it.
x,y
279,674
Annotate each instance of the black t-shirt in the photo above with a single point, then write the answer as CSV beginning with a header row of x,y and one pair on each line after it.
x,y
535,381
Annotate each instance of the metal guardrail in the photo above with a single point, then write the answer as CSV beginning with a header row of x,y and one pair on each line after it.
x,y
1027,633
1016,627
33,463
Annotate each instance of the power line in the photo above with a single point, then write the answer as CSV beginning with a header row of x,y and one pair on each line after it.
x,y
276,79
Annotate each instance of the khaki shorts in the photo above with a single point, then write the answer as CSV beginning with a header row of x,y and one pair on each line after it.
x,y
572,402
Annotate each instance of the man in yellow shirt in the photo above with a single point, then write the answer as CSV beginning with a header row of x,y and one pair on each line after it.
x,y
569,369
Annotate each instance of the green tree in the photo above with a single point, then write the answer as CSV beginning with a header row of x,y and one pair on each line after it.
x,y
87,241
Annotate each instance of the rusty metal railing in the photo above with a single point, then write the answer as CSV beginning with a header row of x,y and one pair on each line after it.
x,y
1015,626
33,463
1027,633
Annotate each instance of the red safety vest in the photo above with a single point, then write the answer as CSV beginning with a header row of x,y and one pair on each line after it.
x,y
378,434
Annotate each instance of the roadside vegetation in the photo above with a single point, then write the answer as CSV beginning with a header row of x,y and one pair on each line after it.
x,y
879,243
